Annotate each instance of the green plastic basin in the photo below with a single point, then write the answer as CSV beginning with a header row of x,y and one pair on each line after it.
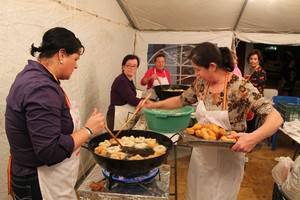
x,y
168,121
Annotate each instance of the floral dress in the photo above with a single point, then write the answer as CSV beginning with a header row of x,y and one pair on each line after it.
x,y
241,97
258,79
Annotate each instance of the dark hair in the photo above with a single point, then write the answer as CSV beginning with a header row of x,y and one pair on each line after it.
x,y
55,39
255,52
204,54
159,55
227,59
131,57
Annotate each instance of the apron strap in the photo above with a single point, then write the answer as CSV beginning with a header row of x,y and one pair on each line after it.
x,y
225,92
224,105
67,100
163,70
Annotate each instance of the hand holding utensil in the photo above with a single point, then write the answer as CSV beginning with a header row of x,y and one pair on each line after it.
x,y
134,114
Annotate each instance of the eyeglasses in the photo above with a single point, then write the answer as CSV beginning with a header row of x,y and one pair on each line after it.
x,y
131,66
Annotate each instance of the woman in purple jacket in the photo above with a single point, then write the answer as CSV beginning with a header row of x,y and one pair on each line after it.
x,y
39,124
123,100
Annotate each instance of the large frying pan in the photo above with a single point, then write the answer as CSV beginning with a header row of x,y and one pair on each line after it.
x,y
130,168
167,91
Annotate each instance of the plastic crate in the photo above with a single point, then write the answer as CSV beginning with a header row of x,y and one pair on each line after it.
x,y
289,107
286,99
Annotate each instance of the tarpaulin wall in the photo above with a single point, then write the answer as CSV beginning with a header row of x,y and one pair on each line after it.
x,y
101,26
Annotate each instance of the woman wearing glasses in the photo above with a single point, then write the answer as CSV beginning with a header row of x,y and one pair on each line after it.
x,y
123,98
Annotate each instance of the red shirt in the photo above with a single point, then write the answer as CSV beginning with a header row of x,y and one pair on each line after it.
x,y
160,73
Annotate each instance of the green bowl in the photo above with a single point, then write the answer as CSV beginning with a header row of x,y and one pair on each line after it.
x,y
168,121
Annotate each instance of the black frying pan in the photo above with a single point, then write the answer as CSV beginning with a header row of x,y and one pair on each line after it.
x,y
167,91
130,168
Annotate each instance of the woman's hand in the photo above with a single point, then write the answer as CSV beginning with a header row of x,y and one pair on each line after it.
x,y
247,76
95,122
153,76
150,104
245,142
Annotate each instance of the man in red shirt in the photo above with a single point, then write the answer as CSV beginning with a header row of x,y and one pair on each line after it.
x,y
157,75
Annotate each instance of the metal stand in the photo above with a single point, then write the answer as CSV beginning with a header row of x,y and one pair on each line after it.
x,y
175,194
175,171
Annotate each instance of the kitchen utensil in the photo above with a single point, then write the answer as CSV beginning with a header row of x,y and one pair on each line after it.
x,y
129,168
167,91
133,115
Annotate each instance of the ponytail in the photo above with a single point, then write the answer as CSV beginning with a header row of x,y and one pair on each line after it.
x,y
227,59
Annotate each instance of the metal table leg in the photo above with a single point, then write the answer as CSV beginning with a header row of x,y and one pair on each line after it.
x,y
174,167
175,170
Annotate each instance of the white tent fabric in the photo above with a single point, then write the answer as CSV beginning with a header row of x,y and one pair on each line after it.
x,y
101,26
178,15
269,38
105,29
275,16
270,16
245,17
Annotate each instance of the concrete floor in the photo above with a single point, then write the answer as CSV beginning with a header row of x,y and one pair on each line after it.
x,y
258,182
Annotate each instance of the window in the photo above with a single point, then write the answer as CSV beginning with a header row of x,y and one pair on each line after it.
x,y
177,63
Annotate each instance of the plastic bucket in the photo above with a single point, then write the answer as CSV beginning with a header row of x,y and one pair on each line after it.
x,y
168,121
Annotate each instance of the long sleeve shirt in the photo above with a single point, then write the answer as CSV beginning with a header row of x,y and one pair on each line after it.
x,y
122,92
241,95
37,121
258,79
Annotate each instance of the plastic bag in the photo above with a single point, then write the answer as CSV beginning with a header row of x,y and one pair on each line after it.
x,y
291,187
281,170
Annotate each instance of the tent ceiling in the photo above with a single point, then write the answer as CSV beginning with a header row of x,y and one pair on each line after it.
x,y
264,16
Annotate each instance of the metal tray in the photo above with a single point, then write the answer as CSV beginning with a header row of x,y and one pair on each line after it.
x,y
196,141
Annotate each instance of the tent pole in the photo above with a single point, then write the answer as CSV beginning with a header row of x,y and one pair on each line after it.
x,y
240,15
126,12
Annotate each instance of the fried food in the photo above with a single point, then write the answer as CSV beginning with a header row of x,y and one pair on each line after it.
x,y
222,132
110,149
160,149
136,157
210,132
118,155
140,145
190,131
197,126
226,139
97,186
151,142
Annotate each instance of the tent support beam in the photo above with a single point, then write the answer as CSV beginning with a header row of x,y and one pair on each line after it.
x,y
240,15
123,7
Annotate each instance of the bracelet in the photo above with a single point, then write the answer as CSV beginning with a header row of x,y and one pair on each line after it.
x,y
88,130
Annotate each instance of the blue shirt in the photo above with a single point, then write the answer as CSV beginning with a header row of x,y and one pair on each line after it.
x,y
38,123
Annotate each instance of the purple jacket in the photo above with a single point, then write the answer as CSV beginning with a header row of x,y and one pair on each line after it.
x,y
122,92
38,123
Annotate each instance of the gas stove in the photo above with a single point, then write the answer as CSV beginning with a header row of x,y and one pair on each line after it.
x,y
151,186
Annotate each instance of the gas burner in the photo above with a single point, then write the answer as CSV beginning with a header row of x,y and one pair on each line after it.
x,y
155,189
131,180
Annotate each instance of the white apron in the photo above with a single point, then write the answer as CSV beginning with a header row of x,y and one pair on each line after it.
x,y
215,173
57,182
162,81
122,114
